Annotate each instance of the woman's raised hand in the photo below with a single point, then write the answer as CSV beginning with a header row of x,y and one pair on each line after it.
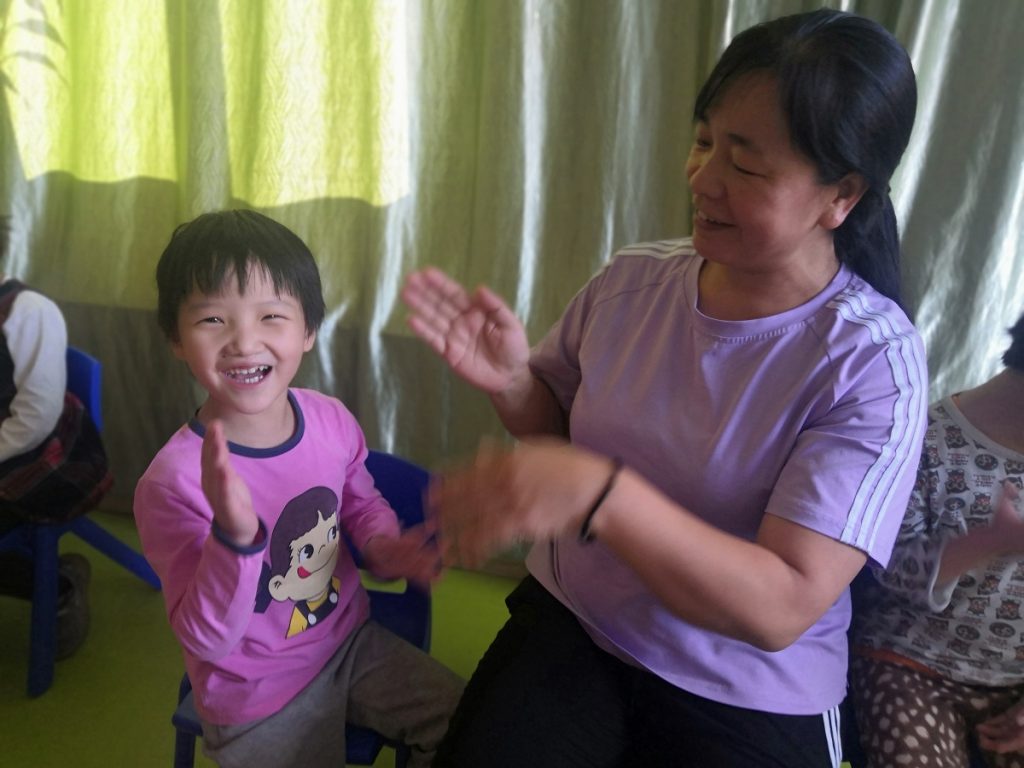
x,y
476,334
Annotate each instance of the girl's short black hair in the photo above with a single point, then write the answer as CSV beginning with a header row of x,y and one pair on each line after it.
x,y
848,91
204,252
1013,357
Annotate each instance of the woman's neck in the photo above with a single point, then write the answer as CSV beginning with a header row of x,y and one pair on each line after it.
x,y
726,293
996,408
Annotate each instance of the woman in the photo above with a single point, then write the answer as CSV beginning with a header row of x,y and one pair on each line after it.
x,y
743,410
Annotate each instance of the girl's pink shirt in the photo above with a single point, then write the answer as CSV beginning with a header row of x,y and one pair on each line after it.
x,y
240,659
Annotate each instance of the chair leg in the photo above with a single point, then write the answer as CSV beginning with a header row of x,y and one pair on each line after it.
x,y
115,549
43,646
184,749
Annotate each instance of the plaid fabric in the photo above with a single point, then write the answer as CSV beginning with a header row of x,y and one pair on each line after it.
x,y
63,478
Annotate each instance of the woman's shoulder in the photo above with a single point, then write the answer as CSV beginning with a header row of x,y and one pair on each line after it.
x,y
868,339
643,264
858,303
656,255
859,317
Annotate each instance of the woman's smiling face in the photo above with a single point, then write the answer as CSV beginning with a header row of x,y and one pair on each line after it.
x,y
758,204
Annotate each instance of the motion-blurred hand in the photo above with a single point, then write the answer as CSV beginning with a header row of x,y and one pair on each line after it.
x,y
413,555
540,490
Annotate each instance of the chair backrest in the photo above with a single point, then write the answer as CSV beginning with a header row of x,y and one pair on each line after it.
x,y
403,484
84,382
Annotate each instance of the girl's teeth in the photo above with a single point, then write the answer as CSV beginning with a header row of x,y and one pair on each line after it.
x,y
249,375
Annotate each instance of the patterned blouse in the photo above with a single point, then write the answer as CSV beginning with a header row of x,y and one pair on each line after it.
x,y
971,631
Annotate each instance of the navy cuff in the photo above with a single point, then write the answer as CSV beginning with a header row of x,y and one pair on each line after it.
x,y
252,549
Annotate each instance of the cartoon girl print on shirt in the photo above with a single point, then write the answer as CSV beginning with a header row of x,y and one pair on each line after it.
x,y
303,553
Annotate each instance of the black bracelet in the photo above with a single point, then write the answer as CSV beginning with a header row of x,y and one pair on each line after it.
x,y
586,534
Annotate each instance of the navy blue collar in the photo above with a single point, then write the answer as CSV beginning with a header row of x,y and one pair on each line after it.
x,y
262,453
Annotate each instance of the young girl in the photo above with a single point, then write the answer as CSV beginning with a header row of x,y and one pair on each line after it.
x,y
743,409
241,512
941,630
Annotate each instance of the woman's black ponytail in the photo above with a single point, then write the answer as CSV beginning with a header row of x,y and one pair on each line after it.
x,y
1013,357
868,242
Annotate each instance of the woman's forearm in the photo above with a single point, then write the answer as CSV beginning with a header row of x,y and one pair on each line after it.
x,y
766,593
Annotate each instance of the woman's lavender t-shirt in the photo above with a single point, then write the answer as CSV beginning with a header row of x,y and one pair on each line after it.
x,y
815,415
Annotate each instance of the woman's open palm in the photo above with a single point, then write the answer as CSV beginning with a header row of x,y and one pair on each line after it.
x,y
477,335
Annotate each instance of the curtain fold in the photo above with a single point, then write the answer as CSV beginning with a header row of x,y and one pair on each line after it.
x,y
516,143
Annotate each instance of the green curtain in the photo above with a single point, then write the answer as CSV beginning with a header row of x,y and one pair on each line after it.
x,y
516,143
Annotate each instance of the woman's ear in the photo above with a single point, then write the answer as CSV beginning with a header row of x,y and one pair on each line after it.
x,y
848,192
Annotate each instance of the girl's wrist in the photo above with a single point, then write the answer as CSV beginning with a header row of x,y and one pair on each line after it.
x,y
240,537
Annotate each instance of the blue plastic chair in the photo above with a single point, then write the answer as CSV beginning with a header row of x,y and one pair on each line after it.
x,y
405,613
41,542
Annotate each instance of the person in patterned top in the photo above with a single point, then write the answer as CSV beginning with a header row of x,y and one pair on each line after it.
x,y
939,636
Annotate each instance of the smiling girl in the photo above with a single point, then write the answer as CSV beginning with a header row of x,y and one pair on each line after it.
x,y
241,515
